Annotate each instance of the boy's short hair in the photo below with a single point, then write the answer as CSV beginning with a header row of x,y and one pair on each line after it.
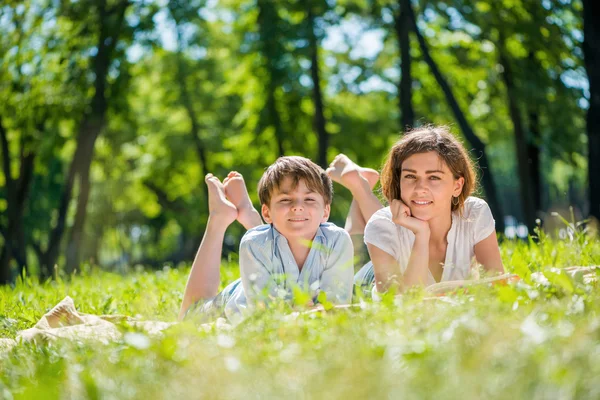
x,y
296,168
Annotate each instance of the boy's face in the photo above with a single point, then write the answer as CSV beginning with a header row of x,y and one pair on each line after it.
x,y
296,212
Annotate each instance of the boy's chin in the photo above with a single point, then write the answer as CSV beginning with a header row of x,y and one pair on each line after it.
x,y
292,232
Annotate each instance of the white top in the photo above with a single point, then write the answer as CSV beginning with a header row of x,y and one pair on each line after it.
x,y
476,224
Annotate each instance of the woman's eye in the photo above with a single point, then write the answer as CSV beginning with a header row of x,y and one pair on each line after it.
x,y
434,178
409,176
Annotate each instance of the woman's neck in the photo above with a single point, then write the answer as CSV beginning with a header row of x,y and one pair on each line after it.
x,y
439,228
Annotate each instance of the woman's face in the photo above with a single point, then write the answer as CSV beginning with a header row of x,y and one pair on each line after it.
x,y
427,185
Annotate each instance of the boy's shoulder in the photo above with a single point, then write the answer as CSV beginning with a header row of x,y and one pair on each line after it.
x,y
259,234
332,231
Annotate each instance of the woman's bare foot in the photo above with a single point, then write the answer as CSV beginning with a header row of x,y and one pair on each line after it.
x,y
349,174
220,209
237,193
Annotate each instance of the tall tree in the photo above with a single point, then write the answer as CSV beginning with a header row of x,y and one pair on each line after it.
x,y
402,25
591,50
317,94
467,130
35,93
269,27
522,142
109,20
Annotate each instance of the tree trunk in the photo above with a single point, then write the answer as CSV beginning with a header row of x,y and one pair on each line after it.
x,y
533,155
319,117
267,17
478,145
90,128
521,141
402,23
76,236
591,51
17,192
5,257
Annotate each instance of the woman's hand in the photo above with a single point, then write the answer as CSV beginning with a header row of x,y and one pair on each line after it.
x,y
402,216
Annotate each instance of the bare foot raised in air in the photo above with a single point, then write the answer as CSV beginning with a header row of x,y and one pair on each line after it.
x,y
237,193
349,174
220,209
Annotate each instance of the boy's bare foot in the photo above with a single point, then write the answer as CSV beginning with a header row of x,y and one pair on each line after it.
x,y
237,193
219,208
349,174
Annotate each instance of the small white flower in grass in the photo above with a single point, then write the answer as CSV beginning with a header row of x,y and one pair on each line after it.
x,y
533,331
232,364
539,278
577,306
252,277
225,341
137,340
565,329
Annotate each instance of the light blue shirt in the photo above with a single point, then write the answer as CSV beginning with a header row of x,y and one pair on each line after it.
x,y
268,269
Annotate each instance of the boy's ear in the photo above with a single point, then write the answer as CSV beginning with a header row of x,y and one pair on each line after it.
x,y
326,212
266,213
458,186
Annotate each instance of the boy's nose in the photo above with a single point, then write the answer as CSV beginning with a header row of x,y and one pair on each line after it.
x,y
297,205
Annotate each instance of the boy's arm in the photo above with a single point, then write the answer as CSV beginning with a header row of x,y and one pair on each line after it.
x,y
338,275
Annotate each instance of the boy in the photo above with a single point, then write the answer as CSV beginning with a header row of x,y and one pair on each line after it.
x,y
298,248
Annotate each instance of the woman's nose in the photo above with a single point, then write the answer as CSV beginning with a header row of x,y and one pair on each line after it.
x,y
420,185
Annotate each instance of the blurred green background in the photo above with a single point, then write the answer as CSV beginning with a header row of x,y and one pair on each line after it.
x,y
112,111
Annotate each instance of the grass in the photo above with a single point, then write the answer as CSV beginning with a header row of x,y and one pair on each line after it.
x,y
537,339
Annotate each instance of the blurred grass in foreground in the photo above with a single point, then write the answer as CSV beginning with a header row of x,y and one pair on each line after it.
x,y
537,339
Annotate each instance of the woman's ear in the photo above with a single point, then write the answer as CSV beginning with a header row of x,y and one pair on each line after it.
x,y
326,212
458,186
266,214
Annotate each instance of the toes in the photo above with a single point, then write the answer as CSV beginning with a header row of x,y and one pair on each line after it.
x,y
212,180
371,171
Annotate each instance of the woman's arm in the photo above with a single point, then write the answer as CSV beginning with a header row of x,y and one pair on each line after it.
x,y
487,253
388,272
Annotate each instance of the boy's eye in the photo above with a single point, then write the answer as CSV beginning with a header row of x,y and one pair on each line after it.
x,y
284,200
310,199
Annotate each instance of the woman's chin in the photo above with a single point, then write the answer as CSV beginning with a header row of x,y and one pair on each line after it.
x,y
423,216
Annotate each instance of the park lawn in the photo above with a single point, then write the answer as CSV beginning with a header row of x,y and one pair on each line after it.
x,y
537,339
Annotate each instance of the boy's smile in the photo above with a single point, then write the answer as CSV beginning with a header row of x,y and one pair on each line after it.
x,y
296,212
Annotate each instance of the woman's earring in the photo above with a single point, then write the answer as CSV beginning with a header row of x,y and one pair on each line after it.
x,y
453,202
